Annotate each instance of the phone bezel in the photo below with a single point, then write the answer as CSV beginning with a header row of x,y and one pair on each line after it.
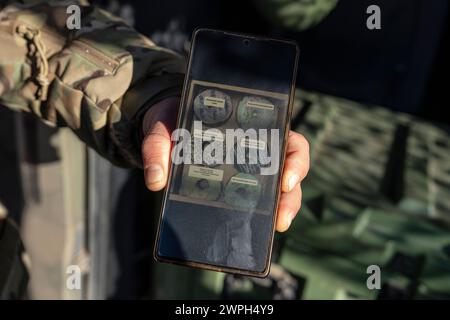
x,y
212,267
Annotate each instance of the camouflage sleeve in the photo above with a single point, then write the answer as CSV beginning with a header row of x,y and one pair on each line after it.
x,y
98,80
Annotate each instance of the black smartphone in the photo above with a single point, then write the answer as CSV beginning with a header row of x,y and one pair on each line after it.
x,y
220,206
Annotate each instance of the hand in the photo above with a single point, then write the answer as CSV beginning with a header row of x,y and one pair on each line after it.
x,y
160,121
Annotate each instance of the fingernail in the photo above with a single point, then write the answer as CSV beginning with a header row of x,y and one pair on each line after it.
x,y
154,173
289,218
293,180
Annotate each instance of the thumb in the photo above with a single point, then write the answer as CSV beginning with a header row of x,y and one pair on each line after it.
x,y
158,125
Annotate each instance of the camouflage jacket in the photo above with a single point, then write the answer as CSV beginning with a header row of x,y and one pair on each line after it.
x,y
99,80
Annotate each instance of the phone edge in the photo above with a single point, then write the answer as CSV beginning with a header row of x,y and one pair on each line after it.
x,y
264,273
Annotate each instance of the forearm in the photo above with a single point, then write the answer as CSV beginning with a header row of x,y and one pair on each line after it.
x,y
98,80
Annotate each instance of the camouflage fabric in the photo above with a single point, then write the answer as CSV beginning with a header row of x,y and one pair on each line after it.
x,y
377,194
295,15
97,80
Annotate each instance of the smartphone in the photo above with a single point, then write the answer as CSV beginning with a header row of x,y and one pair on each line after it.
x,y
219,208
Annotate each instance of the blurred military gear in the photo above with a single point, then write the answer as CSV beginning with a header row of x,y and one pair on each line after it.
x,y
296,15
377,194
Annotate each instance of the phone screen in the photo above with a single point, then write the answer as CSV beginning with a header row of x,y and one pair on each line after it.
x,y
220,206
